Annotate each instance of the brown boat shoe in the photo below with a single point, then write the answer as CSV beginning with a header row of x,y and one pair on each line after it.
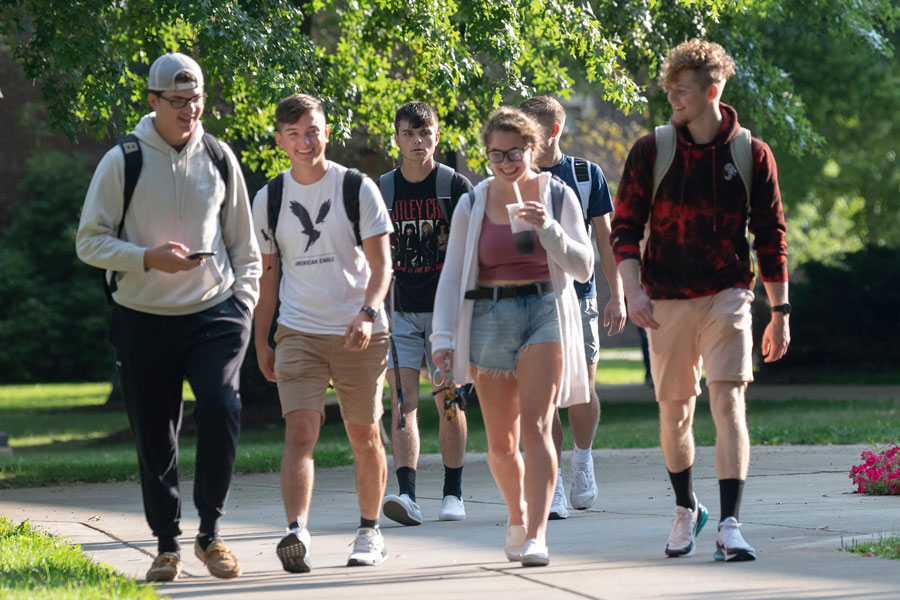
x,y
166,567
218,559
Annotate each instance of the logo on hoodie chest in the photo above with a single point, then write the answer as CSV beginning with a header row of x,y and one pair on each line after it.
x,y
730,171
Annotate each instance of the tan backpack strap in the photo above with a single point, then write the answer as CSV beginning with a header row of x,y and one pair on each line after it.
x,y
665,153
742,155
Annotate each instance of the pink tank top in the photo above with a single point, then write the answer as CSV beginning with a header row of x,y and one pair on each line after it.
x,y
497,258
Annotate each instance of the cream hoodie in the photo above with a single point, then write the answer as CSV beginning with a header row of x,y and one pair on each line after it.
x,y
179,197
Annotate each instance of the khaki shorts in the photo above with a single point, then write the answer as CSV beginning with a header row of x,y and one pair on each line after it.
x,y
712,331
305,362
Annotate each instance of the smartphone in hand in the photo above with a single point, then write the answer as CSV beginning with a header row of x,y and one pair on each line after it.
x,y
200,254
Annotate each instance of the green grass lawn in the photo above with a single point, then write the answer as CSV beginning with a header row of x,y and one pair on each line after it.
x,y
35,565
61,432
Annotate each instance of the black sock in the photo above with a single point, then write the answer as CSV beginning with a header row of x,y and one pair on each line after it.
x,y
730,492
294,525
205,539
168,544
453,481
683,486
370,523
406,477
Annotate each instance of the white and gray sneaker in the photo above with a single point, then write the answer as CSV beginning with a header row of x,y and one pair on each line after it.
x,y
293,550
402,509
558,508
452,509
686,525
583,492
730,544
368,548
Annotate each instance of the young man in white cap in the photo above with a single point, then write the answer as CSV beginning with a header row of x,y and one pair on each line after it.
x,y
167,215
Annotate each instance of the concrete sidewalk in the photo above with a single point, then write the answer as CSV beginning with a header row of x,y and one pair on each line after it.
x,y
797,511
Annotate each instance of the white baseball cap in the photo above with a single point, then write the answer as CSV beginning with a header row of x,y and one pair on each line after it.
x,y
165,68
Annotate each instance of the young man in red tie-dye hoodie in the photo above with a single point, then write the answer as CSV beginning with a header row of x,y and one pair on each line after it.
x,y
680,241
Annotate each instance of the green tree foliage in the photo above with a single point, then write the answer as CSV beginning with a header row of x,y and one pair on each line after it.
x,y
52,306
366,57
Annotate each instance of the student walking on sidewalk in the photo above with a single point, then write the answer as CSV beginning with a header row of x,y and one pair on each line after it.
x,y
507,316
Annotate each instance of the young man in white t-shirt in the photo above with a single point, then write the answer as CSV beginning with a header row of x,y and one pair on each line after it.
x,y
331,324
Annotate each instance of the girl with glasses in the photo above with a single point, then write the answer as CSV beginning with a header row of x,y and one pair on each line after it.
x,y
506,318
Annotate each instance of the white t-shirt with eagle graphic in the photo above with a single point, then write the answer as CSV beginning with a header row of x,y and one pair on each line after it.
x,y
324,271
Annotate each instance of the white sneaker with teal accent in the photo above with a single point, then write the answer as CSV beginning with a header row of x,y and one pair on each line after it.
x,y
686,525
730,544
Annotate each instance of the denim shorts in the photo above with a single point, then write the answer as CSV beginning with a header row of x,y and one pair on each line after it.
x,y
501,329
411,334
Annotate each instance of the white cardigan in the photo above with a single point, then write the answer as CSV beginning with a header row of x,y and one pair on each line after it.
x,y
569,254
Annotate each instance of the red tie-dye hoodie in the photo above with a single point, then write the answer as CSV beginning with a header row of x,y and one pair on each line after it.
x,y
697,244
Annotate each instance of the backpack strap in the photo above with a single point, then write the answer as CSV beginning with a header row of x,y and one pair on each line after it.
x,y
386,187
444,190
557,192
581,170
742,155
274,195
214,149
353,179
134,161
665,154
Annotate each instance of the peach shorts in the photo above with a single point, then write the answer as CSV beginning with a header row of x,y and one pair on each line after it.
x,y
712,332
305,362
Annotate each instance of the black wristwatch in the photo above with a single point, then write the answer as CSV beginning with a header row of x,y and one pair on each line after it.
x,y
370,311
782,308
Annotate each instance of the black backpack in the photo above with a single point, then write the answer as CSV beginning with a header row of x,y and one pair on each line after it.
x,y
134,161
353,179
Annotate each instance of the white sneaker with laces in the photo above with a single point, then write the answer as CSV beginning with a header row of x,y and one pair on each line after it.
x,y
535,554
558,508
452,509
402,509
368,548
293,550
515,542
686,524
730,544
583,493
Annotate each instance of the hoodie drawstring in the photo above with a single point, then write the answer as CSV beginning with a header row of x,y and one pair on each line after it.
x,y
715,191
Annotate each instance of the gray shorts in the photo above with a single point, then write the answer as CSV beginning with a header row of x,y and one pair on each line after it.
x,y
590,323
411,333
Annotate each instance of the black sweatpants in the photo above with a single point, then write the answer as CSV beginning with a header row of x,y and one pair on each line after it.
x,y
154,354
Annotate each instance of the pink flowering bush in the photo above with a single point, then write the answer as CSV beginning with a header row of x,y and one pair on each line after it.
x,y
879,472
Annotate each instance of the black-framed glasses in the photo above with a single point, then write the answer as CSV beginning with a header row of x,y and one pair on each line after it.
x,y
513,155
179,102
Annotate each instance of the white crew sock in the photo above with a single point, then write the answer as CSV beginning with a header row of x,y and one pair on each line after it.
x,y
580,456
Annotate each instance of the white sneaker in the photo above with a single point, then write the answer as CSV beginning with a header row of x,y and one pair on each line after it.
x,y
402,509
368,548
558,507
515,542
293,550
452,509
730,544
583,493
535,554
686,524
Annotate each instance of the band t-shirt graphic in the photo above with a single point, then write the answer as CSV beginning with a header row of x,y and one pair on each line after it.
x,y
324,271
419,243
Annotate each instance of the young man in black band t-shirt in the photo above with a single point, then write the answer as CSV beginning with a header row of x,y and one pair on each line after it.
x,y
420,195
